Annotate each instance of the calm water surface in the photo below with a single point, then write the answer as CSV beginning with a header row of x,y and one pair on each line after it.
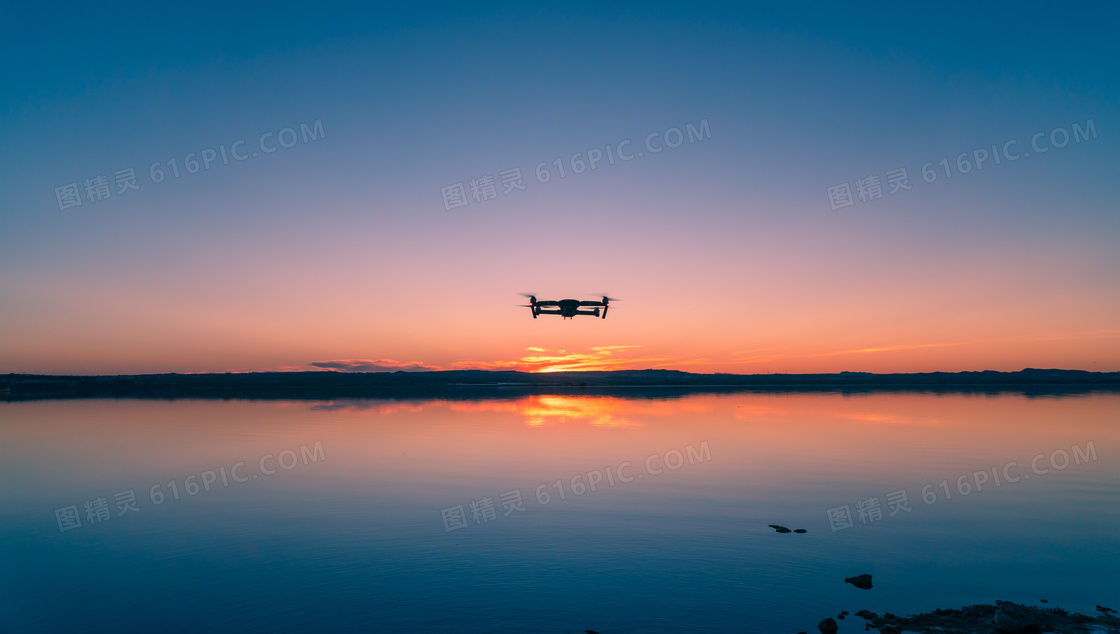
x,y
362,530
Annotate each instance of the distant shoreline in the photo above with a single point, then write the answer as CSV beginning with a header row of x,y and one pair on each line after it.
x,y
475,384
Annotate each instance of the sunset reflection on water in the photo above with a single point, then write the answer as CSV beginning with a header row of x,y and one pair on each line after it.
x,y
392,466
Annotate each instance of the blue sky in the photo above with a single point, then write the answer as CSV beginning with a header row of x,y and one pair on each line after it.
x,y
239,265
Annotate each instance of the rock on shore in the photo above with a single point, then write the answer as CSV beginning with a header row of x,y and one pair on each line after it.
x,y
1004,617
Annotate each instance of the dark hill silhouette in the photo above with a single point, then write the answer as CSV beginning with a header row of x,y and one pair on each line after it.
x,y
487,384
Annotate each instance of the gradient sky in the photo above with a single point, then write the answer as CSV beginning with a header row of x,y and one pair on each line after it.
x,y
339,253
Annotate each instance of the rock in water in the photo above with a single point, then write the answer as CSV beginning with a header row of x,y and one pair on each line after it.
x,y
800,530
827,626
1012,617
780,529
863,582
867,615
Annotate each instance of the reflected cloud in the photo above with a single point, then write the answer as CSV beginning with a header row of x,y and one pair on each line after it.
x,y
759,411
880,418
536,410
367,406
552,410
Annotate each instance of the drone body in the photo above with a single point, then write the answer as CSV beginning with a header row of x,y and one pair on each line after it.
x,y
568,308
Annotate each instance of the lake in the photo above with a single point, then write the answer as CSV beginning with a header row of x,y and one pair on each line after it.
x,y
551,513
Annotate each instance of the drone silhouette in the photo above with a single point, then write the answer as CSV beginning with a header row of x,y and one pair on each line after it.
x,y
567,308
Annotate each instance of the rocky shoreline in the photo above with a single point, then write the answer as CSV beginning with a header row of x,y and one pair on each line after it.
x,y
1004,617
1000,618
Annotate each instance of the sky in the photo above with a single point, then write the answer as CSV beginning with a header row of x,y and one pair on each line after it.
x,y
282,187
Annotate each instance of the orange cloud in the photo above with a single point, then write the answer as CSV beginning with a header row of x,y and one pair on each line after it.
x,y
618,357
1107,333
774,357
543,360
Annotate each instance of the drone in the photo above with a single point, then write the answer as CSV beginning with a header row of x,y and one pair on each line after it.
x,y
567,308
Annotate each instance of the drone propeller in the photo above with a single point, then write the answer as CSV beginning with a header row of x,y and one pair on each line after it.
x,y
607,304
532,305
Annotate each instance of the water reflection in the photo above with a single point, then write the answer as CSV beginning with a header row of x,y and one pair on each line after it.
x,y
538,410
360,537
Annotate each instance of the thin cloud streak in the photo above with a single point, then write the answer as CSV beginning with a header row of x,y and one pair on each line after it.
x,y
372,365
539,360
603,358
836,353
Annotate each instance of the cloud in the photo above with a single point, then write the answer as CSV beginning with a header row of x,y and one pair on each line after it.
x,y
607,349
757,358
373,365
1108,333
544,360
